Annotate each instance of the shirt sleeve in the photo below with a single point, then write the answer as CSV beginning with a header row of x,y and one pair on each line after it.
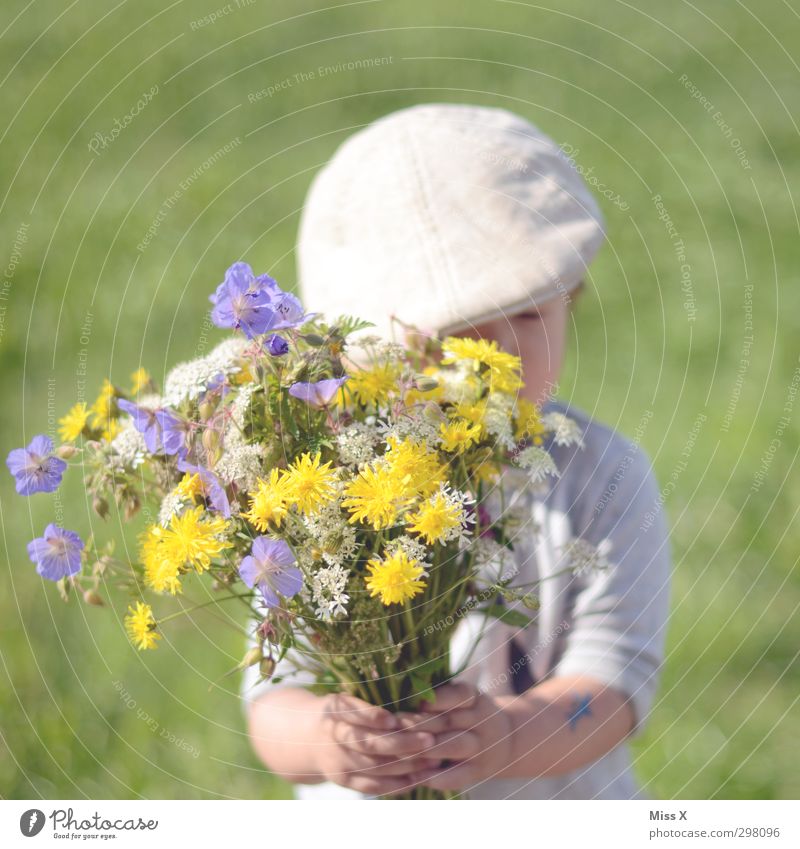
x,y
620,613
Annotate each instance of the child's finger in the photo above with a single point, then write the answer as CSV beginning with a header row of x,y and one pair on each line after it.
x,y
396,743
456,777
451,697
455,745
436,723
357,712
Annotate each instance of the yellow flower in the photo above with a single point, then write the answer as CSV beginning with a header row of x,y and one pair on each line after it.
x,y
435,518
414,466
112,430
504,368
193,539
268,502
395,579
374,496
459,435
102,409
161,568
529,422
140,625
473,413
139,380
73,423
373,385
309,484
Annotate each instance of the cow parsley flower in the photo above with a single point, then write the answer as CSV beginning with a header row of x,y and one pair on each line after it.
x,y
188,380
538,463
356,444
328,592
584,558
565,431
128,446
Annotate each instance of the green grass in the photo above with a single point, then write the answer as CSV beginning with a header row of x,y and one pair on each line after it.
x,y
603,78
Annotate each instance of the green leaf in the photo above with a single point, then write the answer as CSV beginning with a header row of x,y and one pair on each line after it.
x,y
507,616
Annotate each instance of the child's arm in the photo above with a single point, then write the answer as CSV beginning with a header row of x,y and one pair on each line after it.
x,y
553,728
308,739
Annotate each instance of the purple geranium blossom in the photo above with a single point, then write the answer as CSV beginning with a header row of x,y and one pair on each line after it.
x,y
214,490
57,554
277,346
34,468
270,567
288,310
317,394
163,431
244,301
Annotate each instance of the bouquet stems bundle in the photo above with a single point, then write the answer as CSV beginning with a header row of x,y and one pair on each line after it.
x,y
347,491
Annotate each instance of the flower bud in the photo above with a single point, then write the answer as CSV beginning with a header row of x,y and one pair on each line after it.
x,y
211,441
425,383
266,667
252,657
314,339
206,410
93,598
66,452
100,506
530,601
132,507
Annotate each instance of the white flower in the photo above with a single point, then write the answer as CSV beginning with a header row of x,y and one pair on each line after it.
x,y
328,587
565,430
586,558
128,446
189,379
241,463
458,384
497,418
494,561
356,444
331,532
422,427
538,463
171,505
413,548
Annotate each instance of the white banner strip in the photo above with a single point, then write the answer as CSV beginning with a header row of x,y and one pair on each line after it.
x,y
404,825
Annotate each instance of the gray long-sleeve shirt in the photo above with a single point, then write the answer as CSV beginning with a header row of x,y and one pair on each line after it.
x,y
608,624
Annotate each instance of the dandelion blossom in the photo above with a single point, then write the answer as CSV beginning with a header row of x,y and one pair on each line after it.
x,y
412,462
373,386
309,484
268,502
440,519
504,368
140,625
193,538
162,568
374,496
73,423
459,435
396,579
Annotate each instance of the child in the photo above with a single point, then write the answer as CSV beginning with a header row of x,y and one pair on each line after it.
x,y
467,220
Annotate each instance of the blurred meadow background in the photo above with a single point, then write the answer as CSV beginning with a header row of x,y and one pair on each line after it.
x,y
145,146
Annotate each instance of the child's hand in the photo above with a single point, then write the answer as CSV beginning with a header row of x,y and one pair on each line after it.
x,y
364,748
473,737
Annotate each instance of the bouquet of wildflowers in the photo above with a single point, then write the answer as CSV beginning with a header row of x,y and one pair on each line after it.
x,y
347,490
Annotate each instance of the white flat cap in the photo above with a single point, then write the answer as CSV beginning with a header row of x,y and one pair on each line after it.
x,y
445,216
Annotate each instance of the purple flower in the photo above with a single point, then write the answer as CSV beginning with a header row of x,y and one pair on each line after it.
x,y
33,467
214,490
289,310
277,346
317,394
244,301
57,554
163,431
270,567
